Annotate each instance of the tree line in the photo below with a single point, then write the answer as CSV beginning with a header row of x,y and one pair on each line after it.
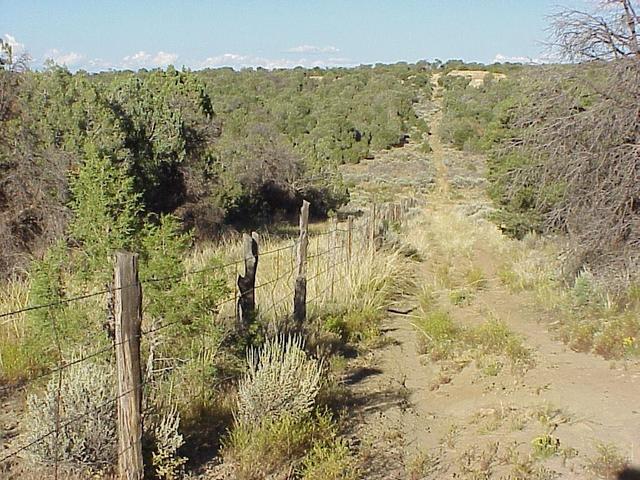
x,y
95,159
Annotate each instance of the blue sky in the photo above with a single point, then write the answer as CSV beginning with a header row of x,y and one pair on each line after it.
x,y
100,35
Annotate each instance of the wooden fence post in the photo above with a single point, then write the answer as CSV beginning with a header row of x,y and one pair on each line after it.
x,y
384,224
333,254
300,291
128,321
247,283
372,227
349,237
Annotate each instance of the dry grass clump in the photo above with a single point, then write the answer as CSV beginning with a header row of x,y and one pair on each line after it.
x,y
281,381
492,343
534,263
355,289
278,430
80,411
14,295
608,463
330,460
591,319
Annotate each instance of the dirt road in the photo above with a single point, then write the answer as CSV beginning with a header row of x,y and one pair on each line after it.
x,y
567,415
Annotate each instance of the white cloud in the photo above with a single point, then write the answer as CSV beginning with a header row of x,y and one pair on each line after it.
x,y
500,58
312,49
99,64
69,59
238,61
165,58
143,59
17,47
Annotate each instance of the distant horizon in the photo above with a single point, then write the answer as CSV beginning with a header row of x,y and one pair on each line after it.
x,y
276,34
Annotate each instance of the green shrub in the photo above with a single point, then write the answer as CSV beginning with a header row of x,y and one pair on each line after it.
x,y
271,448
330,461
47,287
106,210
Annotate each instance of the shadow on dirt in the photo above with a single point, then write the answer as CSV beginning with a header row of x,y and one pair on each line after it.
x,y
629,474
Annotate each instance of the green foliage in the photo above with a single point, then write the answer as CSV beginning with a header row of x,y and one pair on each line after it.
x,y
106,209
330,461
475,117
274,138
442,339
545,446
47,283
480,120
438,334
354,326
425,147
163,248
168,119
272,448
47,288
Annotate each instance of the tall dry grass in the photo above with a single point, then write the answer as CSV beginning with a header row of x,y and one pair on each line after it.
x,y
339,279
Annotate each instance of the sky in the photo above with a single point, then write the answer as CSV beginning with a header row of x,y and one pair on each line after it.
x,y
116,34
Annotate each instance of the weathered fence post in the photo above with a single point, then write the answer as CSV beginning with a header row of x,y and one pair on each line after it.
x,y
300,292
334,252
384,223
349,237
128,322
247,283
372,227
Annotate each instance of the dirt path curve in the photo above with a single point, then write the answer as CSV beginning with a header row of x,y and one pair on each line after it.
x,y
418,418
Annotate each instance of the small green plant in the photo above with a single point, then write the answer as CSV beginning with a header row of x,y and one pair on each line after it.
x,y
475,279
509,278
425,147
461,296
494,336
422,465
331,460
493,368
584,291
167,463
607,463
362,325
437,334
545,446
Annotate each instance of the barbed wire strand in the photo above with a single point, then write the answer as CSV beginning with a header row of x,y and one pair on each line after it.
x,y
142,281
66,424
63,365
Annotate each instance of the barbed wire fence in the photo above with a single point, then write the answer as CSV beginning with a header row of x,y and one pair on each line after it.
x,y
295,270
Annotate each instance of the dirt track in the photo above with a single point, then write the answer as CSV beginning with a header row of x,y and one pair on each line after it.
x,y
417,419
